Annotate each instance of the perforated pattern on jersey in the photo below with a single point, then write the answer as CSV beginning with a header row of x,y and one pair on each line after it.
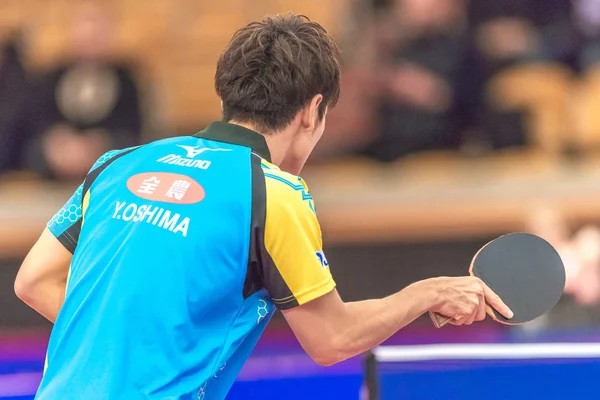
x,y
69,213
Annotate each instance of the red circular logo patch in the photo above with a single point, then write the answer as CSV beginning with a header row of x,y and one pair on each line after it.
x,y
166,187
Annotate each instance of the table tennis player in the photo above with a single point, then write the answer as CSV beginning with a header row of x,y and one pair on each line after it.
x,y
163,269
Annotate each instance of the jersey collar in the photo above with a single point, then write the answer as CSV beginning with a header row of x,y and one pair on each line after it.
x,y
235,134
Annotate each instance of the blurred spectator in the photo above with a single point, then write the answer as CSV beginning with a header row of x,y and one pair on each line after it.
x,y
510,31
83,108
580,252
420,74
585,127
509,34
12,86
586,21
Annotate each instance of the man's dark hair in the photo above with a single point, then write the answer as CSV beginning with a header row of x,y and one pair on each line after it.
x,y
271,69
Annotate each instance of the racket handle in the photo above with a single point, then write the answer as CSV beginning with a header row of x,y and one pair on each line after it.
x,y
438,319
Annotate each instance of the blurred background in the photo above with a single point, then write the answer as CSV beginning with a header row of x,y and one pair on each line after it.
x,y
459,120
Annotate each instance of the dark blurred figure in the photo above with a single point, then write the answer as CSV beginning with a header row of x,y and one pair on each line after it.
x,y
585,136
13,84
513,31
585,28
83,108
509,34
422,48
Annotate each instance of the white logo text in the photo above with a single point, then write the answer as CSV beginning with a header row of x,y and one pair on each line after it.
x,y
157,216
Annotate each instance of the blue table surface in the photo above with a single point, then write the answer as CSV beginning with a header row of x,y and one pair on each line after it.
x,y
280,366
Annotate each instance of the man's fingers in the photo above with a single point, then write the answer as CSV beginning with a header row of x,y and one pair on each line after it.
x,y
481,310
471,317
496,303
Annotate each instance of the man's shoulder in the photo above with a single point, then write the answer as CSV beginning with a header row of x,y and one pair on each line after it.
x,y
285,188
271,171
110,155
164,142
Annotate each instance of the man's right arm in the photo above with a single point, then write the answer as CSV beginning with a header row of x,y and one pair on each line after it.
x,y
296,274
331,331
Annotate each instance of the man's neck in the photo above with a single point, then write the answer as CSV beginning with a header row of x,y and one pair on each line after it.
x,y
278,142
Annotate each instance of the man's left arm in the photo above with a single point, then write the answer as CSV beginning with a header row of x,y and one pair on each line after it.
x,y
42,280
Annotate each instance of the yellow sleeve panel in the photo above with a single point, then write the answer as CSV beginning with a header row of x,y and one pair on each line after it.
x,y
296,270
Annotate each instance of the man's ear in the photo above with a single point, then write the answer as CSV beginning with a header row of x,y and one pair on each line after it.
x,y
310,114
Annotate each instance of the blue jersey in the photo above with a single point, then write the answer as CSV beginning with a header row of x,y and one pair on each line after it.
x,y
182,251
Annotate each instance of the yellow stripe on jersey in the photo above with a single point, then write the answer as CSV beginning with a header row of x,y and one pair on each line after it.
x,y
269,166
293,241
84,206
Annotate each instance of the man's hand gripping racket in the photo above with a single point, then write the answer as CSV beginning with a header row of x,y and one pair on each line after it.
x,y
516,278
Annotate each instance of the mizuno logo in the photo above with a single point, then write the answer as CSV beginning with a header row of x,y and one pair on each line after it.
x,y
190,159
322,259
192,152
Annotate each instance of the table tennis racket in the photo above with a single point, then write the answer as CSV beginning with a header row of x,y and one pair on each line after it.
x,y
524,270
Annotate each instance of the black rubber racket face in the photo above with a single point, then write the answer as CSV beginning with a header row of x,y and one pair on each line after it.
x,y
525,271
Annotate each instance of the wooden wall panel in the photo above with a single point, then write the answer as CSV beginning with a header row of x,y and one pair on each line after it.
x,y
176,43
